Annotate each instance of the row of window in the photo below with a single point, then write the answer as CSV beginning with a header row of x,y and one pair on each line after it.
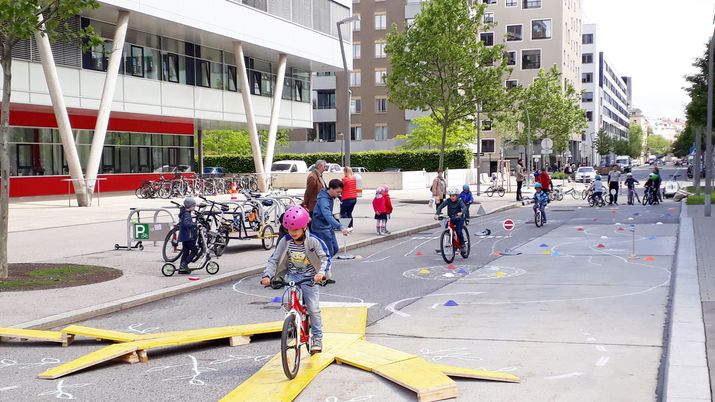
x,y
325,132
379,50
356,77
525,4
380,21
530,59
540,29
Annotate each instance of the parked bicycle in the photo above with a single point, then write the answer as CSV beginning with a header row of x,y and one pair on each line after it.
x,y
573,193
495,188
556,194
449,241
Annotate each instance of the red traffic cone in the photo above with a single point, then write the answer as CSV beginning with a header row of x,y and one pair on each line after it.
x,y
234,191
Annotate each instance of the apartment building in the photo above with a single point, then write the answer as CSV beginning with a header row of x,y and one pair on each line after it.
x,y
180,72
640,119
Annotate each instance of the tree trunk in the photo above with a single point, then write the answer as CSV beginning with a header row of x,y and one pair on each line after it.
x,y
5,160
444,142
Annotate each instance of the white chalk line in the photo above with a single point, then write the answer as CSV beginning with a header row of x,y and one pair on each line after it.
x,y
391,307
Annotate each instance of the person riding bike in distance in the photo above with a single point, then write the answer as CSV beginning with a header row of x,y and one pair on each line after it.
x,y
456,211
301,255
541,199
596,188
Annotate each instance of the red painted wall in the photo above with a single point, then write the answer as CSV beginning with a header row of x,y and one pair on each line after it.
x,y
29,186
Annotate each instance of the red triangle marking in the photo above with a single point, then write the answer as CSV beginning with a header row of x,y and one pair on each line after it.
x,y
419,254
600,246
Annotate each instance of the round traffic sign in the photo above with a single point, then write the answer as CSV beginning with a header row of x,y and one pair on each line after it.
x,y
508,224
547,143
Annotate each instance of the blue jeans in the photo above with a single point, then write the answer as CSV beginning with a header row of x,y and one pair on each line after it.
x,y
328,236
541,208
311,302
458,225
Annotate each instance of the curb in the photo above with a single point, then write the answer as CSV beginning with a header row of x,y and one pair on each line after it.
x,y
87,313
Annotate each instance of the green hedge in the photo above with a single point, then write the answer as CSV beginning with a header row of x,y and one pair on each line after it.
x,y
374,161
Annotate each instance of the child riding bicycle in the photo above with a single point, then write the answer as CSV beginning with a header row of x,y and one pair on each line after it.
x,y
302,255
541,199
596,189
631,184
456,211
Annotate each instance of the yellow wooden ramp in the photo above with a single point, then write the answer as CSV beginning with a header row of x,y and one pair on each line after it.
x,y
428,382
367,356
32,335
220,332
454,371
344,320
105,334
270,383
102,355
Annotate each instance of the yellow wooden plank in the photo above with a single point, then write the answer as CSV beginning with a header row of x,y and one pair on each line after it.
x,y
99,356
344,320
415,374
31,334
271,384
97,333
462,372
226,332
366,355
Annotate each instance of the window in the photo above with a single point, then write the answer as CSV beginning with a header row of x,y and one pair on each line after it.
x,y
587,58
541,29
531,4
356,23
587,97
355,105
586,77
486,125
326,99
172,67
510,3
203,73
487,145
380,50
380,104
514,32
587,39
355,78
380,21
511,84
489,1
530,59
510,58
231,82
326,131
487,38
136,61
380,74
96,58
356,133
356,50
589,116
488,18
380,132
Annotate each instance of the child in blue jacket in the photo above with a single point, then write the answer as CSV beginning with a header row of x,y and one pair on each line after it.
x,y
541,198
188,234
467,199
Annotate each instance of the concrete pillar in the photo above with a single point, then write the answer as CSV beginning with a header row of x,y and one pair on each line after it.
x,y
105,105
275,112
250,117
63,120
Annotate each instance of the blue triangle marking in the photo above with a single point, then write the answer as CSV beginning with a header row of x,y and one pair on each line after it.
x,y
543,245
451,303
276,299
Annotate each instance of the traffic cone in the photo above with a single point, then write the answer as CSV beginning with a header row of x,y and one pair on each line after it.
x,y
234,191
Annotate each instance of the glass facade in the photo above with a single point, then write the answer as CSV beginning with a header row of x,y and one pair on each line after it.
x,y
39,152
320,15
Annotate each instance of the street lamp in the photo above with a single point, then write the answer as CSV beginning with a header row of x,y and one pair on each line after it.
x,y
346,138
479,146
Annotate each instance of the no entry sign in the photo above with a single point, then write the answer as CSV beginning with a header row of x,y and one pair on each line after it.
x,y
508,224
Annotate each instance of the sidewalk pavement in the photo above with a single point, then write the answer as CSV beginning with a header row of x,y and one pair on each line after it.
x,y
45,229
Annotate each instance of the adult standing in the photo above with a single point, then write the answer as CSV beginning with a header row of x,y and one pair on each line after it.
x,y
324,223
439,188
519,178
614,183
349,198
314,184
545,180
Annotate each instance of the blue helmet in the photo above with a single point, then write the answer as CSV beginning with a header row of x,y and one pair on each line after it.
x,y
465,187
598,177
537,185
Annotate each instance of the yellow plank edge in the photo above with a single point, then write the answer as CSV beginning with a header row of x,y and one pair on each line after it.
x,y
102,355
32,334
366,355
227,332
415,374
89,332
462,372
344,320
271,384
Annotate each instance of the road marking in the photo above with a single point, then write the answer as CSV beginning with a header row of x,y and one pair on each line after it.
x,y
559,377
391,307
417,246
601,348
381,259
602,361
9,388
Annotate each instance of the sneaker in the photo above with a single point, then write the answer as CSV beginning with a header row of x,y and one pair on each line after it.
x,y
463,249
379,233
317,345
330,281
387,232
184,269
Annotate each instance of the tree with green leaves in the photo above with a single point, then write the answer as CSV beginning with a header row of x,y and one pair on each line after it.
x,y
685,140
658,145
621,147
440,65
427,133
635,141
20,20
237,142
604,143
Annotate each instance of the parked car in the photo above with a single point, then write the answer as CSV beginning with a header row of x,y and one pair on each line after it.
x,y
585,174
332,168
173,169
214,171
358,169
289,166
392,170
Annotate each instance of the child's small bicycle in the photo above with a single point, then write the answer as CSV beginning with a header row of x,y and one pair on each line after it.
x,y
538,216
204,260
449,241
296,325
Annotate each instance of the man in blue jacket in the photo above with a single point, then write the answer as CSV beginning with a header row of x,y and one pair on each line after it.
x,y
324,223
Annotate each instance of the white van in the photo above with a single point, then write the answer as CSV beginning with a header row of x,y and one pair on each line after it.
x,y
623,161
289,167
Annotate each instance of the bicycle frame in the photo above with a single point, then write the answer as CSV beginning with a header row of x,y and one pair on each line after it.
x,y
298,311
453,234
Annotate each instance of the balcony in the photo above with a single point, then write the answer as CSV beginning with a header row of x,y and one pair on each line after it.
x,y
323,82
324,115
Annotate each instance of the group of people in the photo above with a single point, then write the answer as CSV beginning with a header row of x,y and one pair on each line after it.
x,y
614,184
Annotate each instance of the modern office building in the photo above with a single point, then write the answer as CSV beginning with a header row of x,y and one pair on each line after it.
x,y
606,96
179,74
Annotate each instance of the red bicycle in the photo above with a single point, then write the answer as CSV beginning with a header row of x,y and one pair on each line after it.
x,y
449,241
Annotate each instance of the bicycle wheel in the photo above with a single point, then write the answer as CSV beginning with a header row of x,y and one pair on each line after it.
x,y
446,247
575,194
538,219
212,267
290,348
644,201
268,237
591,202
253,185
501,191
220,243
584,194
489,192
172,246
467,243
139,192
168,269
559,196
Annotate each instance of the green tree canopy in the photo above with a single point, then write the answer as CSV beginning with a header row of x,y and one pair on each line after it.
x,y
604,143
440,65
635,141
685,140
428,134
237,142
658,145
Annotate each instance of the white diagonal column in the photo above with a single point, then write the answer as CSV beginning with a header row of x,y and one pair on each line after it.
x,y
275,112
63,120
105,105
250,118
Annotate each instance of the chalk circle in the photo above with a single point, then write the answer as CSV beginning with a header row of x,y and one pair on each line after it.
x,y
442,273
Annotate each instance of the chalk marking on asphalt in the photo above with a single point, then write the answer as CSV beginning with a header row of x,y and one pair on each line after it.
x,y
387,248
135,328
391,307
434,306
344,297
416,247
197,371
355,399
381,259
3,389
235,289
60,393
562,376
601,348
591,339
602,361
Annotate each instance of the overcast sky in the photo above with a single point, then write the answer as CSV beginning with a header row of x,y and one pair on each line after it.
x,y
655,42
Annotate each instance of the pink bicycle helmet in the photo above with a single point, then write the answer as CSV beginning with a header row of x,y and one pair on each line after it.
x,y
385,189
380,190
296,217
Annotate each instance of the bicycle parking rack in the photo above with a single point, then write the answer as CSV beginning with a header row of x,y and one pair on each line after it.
x,y
156,231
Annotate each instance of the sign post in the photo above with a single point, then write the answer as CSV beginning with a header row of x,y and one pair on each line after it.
x,y
508,225
345,256
633,255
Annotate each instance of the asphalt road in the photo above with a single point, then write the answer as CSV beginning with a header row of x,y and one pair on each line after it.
x,y
585,326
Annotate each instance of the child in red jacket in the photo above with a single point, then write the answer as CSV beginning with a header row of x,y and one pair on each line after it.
x,y
380,207
388,208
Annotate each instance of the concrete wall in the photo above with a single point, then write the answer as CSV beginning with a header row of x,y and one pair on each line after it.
x,y
370,180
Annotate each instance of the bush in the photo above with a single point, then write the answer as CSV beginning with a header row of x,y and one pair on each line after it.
x,y
374,161
559,176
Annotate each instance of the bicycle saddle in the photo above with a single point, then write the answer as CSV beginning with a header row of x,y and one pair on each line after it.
x,y
267,203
